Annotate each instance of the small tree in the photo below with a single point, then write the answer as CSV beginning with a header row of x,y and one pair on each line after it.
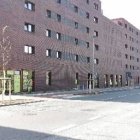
x,y
5,50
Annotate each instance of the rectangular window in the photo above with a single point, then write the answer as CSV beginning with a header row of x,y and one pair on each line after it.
x,y
29,49
96,61
58,55
76,41
88,59
126,36
48,33
126,56
48,13
87,15
58,36
75,9
126,46
87,29
87,1
96,47
95,34
125,25
29,27
76,25
59,1
95,19
58,18
96,6
48,52
87,44
48,78
76,58
76,78
29,5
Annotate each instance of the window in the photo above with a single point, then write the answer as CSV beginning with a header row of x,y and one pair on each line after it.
x,y
125,25
48,52
76,25
96,6
126,56
87,1
59,1
87,15
96,47
58,18
76,78
48,33
87,29
75,9
96,61
58,55
88,59
58,36
29,27
48,78
133,67
48,13
29,5
95,19
126,46
95,34
29,49
126,66
87,44
126,36
76,58
76,41
137,33
137,59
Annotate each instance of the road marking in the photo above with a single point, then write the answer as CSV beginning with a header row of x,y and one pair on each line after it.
x,y
122,96
94,118
64,128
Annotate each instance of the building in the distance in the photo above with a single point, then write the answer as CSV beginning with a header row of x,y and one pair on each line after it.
x,y
56,43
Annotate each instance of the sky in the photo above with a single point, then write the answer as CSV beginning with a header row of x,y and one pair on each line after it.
x,y
128,9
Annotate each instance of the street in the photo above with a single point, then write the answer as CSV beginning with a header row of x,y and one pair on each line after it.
x,y
113,115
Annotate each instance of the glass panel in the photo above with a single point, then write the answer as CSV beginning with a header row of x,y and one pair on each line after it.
x,y
26,49
30,50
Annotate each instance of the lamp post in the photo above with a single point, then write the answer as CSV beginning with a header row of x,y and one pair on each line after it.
x,y
91,78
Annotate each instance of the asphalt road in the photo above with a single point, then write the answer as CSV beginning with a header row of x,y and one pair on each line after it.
x,y
129,96
108,116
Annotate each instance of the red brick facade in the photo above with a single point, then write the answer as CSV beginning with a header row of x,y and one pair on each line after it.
x,y
66,31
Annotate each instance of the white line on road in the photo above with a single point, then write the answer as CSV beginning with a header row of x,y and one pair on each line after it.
x,y
94,118
64,128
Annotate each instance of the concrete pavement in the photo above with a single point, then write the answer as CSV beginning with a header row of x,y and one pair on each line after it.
x,y
108,116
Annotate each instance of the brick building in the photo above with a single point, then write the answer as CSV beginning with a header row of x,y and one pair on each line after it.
x,y
53,45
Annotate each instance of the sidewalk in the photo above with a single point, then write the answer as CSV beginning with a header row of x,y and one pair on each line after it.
x,y
39,96
81,92
18,99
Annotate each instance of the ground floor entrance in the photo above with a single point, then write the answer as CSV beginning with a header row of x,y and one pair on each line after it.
x,y
21,80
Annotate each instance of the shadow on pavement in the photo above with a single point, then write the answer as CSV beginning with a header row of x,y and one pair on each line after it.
x,y
128,96
7,133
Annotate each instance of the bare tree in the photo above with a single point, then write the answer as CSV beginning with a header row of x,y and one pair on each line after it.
x,y
5,50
